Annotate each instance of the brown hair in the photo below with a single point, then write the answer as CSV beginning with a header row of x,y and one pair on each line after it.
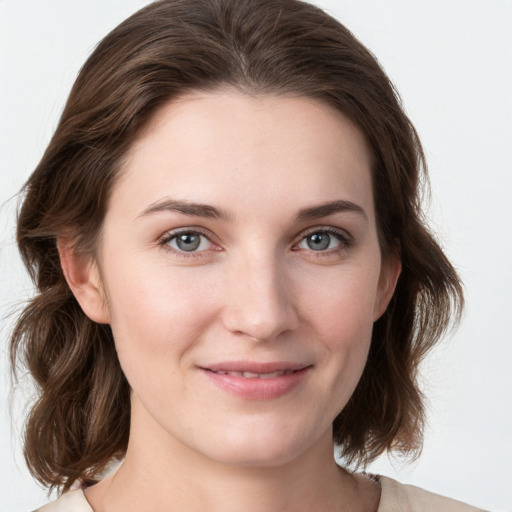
x,y
80,420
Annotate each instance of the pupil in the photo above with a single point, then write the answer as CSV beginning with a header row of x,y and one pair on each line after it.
x,y
318,242
188,242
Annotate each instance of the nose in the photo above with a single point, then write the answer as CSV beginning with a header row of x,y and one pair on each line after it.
x,y
259,300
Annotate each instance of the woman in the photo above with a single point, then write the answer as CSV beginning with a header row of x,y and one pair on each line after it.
x,y
233,270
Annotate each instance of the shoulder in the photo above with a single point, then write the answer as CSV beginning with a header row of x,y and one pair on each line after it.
x,y
72,501
397,497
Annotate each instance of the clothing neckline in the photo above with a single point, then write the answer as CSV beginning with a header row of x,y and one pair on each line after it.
x,y
76,500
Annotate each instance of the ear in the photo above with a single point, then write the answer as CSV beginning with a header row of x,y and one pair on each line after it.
x,y
83,278
391,268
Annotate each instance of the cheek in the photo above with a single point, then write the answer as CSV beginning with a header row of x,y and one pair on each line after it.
x,y
342,318
156,318
343,307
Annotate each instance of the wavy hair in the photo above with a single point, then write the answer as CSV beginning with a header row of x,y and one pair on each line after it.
x,y
80,420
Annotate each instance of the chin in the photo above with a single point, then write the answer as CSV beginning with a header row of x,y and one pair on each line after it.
x,y
254,448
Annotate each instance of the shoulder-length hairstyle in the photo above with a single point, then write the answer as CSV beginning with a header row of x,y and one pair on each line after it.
x,y
80,421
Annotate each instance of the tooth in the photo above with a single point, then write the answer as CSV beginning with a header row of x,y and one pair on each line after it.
x,y
270,375
252,375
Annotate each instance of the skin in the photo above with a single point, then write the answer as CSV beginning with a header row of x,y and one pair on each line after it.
x,y
257,288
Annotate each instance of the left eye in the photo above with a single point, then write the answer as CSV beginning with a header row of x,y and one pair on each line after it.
x,y
321,241
188,241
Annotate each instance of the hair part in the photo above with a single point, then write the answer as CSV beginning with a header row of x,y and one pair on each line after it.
x,y
80,422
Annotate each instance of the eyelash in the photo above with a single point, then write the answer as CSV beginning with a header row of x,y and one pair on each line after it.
x,y
168,237
345,242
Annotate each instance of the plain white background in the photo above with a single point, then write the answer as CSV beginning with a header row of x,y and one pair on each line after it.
x,y
451,60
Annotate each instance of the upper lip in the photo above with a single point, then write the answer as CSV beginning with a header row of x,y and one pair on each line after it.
x,y
254,366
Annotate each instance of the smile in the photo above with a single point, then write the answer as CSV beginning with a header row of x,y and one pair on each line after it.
x,y
251,375
256,381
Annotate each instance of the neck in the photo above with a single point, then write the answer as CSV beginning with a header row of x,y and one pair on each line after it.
x,y
160,473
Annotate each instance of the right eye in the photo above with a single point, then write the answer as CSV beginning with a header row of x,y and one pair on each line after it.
x,y
187,242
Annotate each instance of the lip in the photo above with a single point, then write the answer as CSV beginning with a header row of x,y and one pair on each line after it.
x,y
253,387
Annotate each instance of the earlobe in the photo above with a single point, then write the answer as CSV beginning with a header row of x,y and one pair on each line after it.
x,y
389,274
83,278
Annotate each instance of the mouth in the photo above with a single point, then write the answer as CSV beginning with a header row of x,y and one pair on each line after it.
x,y
252,375
257,381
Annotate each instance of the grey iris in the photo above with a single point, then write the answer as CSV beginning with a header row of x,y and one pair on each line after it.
x,y
318,241
188,241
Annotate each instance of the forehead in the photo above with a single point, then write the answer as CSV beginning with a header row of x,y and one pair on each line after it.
x,y
238,150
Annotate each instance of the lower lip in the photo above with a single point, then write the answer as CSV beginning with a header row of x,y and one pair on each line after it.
x,y
255,388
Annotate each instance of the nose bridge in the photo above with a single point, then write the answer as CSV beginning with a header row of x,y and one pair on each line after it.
x,y
259,301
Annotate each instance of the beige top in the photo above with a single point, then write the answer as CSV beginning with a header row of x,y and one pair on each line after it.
x,y
395,497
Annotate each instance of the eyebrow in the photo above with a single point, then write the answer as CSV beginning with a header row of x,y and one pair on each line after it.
x,y
186,208
330,208
208,211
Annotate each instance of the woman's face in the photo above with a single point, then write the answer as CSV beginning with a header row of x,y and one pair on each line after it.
x,y
242,272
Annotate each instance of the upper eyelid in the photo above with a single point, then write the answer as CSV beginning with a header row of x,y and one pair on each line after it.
x,y
207,232
314,229
168,235
325,229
